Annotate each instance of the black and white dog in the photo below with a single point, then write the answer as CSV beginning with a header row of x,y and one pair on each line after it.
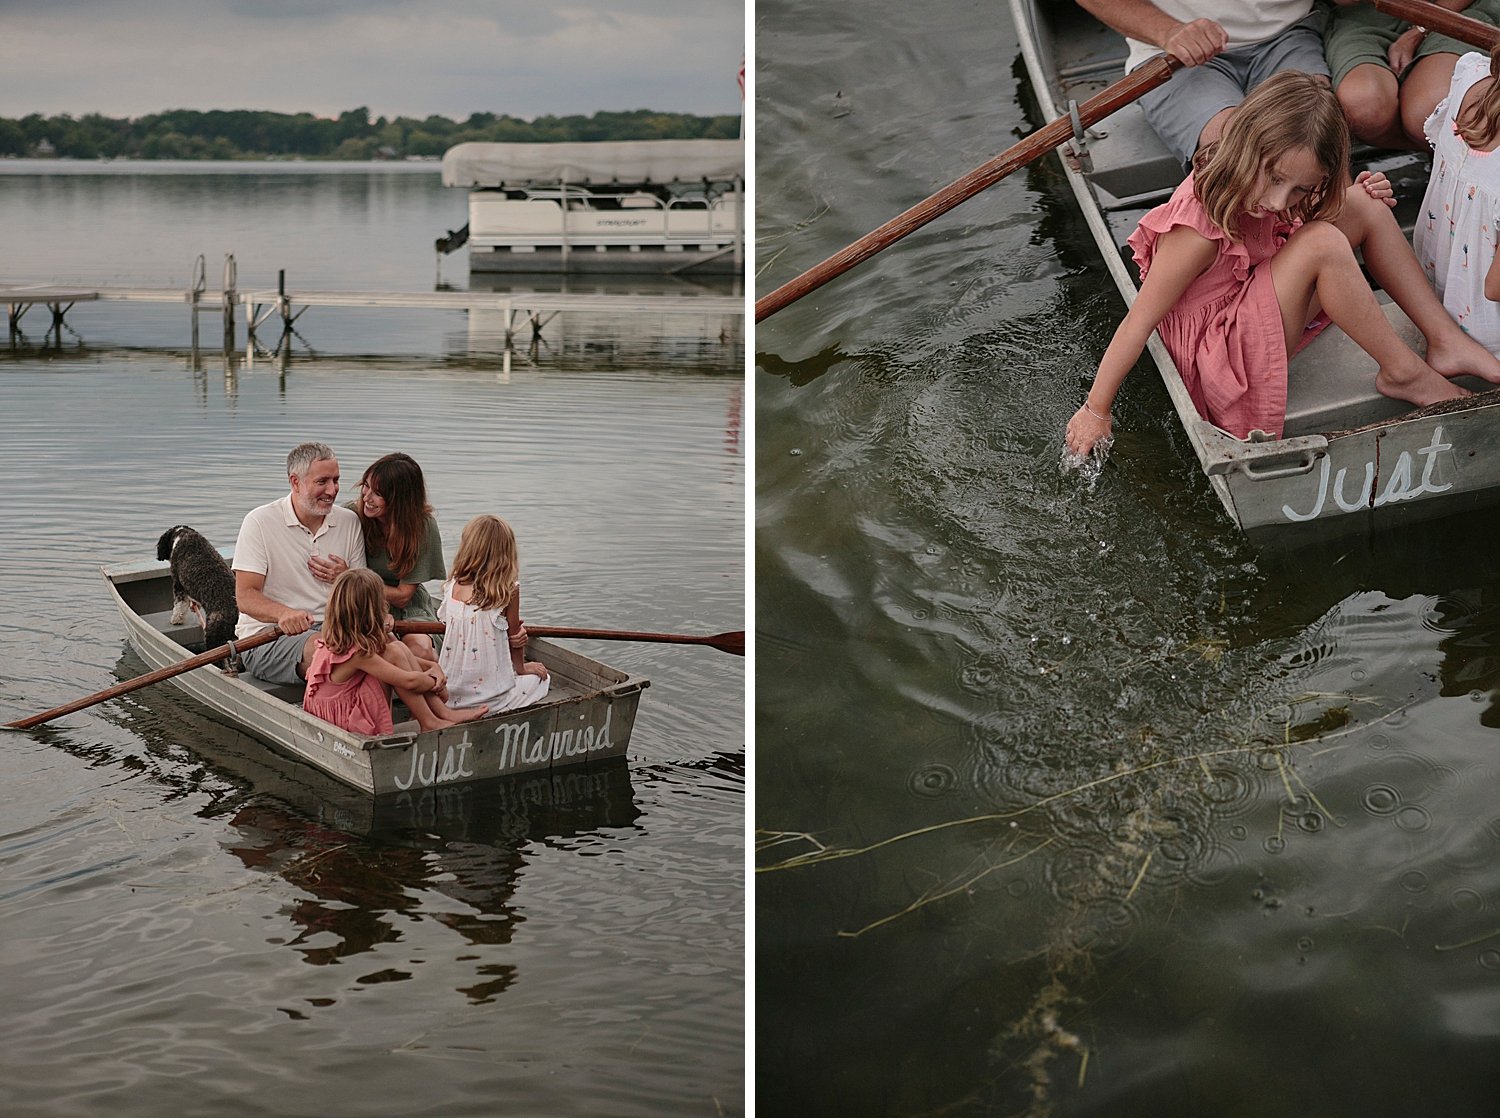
x,y
202,582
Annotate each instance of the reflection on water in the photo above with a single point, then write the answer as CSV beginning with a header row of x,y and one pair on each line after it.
x,y
680,286
366,868
467,844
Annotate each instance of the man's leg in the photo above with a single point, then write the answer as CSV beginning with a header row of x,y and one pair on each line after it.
x,y
1182,110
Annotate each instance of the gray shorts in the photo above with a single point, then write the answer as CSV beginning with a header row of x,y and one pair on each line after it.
x,y
277,662
1182,108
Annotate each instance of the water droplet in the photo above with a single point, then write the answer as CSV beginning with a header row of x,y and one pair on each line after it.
x,y
1413,818
1414,881
1466,900
932,780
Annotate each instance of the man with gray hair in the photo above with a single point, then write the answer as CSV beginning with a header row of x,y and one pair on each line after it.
x,y
285,561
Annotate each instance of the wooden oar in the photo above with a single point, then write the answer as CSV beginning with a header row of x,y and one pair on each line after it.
x,y
1111,99
724,642
1464,28
212,656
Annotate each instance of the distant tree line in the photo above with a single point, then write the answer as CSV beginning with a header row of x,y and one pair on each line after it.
x,y
250,134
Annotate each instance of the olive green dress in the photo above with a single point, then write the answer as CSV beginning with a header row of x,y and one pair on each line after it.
x,y
428,568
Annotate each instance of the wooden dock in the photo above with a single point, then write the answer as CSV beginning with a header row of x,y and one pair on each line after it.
x,y
535,309
518,308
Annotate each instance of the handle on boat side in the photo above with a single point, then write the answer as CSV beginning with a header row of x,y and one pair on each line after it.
x,y
1260,460
1281,466
1464,28
1142,80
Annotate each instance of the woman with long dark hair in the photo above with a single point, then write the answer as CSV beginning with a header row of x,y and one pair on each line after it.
x,y
402,542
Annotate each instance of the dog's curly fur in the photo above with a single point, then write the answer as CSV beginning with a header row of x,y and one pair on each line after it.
x,y
201,581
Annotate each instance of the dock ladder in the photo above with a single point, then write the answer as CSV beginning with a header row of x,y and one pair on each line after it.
x,y
228,297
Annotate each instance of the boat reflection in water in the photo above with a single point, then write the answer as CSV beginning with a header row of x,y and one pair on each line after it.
x,y
614,320
365,868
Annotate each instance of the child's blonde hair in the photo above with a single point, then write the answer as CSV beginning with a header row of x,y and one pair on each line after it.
x,y
1479,123
355,617
487,561
1288,110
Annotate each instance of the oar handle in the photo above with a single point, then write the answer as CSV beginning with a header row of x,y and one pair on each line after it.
x,y
725,642
1111,99
212,656
1456,26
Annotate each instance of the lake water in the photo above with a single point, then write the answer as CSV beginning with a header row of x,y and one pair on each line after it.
x,y
191,924
1068,801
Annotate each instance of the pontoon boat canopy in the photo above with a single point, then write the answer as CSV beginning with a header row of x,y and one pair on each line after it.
x,y
629,161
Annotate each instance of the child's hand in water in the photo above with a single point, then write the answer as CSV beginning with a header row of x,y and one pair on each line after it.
x,y
1377,186
1085,429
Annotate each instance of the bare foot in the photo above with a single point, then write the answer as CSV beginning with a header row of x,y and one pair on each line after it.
x,y
1417,384
1460,355
430,722
466,714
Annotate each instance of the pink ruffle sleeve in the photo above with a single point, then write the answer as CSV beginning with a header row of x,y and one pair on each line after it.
x,y
1225,333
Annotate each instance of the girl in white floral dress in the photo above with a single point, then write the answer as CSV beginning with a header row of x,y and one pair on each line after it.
x,y
1456,228
484,644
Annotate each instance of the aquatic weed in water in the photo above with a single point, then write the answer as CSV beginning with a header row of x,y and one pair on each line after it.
x,y
1091,465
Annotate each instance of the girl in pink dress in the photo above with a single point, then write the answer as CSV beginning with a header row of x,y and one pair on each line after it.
x,y
356,662
1253,249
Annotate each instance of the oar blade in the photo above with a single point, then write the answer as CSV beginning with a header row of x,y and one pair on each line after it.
x,y
733,643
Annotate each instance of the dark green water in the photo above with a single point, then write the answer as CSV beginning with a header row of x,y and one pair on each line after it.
x,y
1068,801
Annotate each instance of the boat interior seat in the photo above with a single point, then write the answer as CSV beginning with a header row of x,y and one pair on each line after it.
x,y
1331,381
190,636
1136,171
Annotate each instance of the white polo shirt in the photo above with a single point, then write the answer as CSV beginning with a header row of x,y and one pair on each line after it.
x,y
273,542
1246,22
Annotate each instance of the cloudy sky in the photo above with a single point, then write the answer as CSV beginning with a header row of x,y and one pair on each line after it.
x,y
413,58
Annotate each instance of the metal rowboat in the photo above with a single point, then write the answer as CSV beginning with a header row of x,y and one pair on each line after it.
x,y
586,718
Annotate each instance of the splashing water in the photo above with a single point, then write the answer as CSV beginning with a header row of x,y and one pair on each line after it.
x,y
1090,465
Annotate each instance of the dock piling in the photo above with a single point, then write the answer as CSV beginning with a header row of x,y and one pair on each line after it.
x,y
229,297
